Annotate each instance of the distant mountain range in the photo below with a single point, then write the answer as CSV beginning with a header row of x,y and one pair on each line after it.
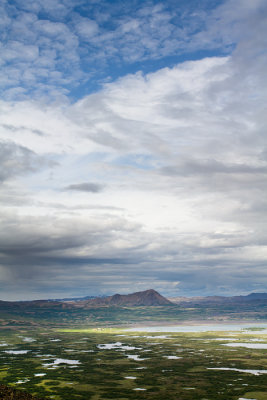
x,y
76,298
148,298
219,299
151,297
118,309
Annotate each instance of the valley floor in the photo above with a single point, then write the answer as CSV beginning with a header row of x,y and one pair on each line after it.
x,y
100,363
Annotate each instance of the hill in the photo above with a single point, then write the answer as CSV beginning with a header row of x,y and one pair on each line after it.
x,y
146,298
253,296
8,393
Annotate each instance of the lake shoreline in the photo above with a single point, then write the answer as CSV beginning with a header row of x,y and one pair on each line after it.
x,y
196,322
198,326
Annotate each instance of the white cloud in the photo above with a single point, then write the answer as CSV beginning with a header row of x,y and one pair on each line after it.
x,y
50,40
180,153
86,28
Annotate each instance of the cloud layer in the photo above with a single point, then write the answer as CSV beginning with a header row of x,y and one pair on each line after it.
x,y
60,49
156,179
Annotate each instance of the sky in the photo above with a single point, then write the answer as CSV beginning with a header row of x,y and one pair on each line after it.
x,y
133,147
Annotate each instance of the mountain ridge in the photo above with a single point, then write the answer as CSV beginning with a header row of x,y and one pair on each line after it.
x,y
220,299
131,308
147,298
112,299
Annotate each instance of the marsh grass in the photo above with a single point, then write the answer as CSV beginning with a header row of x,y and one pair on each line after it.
x,y
101,373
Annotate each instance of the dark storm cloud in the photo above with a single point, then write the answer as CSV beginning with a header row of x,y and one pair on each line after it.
x,y
200,277
32,246
84,257
86,187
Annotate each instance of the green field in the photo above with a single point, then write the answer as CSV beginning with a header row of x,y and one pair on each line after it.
x,y
101,363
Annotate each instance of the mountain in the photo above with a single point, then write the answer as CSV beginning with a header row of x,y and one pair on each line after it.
x,y
74,298
131,308
252,297
146,298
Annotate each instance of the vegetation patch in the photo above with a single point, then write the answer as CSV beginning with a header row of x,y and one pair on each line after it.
x,y
256,395
93,364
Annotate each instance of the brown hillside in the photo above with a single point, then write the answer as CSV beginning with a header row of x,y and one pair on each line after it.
x,y
147,298
8,393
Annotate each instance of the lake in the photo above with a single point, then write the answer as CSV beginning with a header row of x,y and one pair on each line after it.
x,y
200,328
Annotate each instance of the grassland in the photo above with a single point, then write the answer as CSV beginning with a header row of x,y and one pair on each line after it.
x,y
99,363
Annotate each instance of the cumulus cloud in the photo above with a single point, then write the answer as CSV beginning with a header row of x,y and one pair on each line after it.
x,y
85,27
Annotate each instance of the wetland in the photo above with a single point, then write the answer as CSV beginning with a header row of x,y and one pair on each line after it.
x,y
114,363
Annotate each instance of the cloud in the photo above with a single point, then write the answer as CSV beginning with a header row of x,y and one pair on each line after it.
x,y
182,162
214,167
108,254
13,128
33,54
63,249
85,27
51,50
85,187
177,157
17,160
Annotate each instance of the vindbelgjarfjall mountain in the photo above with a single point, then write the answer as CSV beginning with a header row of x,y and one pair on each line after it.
x,y
146,298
